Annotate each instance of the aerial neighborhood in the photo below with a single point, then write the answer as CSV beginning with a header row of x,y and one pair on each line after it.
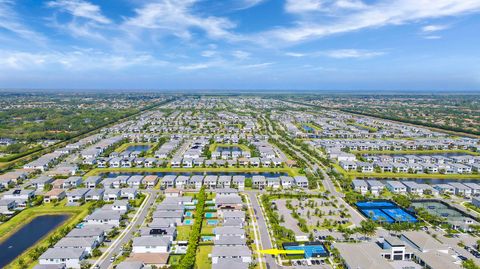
x,y
246,182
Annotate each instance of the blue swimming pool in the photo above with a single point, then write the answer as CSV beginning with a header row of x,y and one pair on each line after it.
x,y
189,214
210,215
207,238
188,222
385,211
310,250
212,222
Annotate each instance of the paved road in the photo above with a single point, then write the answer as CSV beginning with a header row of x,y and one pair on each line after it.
x,y
186,144
262,227
104,261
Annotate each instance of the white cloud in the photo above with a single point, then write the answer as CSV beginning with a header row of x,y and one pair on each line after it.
x,y
434,28
300,6
241,55
392,12
81,9
338,53
195,66
245,4
295,54
87,19
432,37
177,18
208,53
74,60
260,65
351,53
10,21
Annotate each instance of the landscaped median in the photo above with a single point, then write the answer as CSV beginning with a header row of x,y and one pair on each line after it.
x,y
288,170
28,258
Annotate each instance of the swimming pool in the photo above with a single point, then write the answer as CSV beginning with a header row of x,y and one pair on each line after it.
x,y
207,238
212,222
210,215
188,222
309,250
189,214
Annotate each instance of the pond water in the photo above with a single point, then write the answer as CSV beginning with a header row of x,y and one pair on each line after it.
x,y
138,148
232,148
308,128
27,236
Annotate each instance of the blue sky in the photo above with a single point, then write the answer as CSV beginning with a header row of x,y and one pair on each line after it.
x,y
241,44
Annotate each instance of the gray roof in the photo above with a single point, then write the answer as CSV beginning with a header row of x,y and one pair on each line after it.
x,y
167,214
130,265
62,253
76,242
228,251
170,207
104,214
77,192
93,179
50,266
150,241
362,256
230,264
238,178
228,199
86,231
228,231
233,214
230,240
258,179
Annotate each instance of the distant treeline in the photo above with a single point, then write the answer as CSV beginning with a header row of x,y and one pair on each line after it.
x,y
416,122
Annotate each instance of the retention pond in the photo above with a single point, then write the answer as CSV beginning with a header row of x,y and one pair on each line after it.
x,y
27,236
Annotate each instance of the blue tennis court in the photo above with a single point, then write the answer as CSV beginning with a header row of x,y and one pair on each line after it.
x,y
377,215
310,250
385,211
399,215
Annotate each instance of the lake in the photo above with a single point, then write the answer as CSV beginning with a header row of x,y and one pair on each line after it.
x,y
27,236
138,148
224,148
308,128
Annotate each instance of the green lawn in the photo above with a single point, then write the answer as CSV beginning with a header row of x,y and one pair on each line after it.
x,y
201,260
77,213
206,229
174,259
214,146
183,232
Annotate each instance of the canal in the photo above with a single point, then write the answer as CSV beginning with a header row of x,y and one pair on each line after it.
x,y
27,236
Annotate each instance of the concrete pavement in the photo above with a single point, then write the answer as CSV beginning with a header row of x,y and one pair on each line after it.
x,y
127,234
